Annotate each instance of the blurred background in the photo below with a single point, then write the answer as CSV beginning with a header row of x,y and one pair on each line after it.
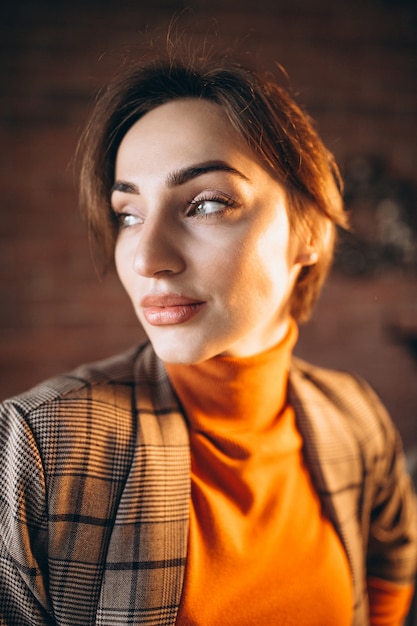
x,y
352,64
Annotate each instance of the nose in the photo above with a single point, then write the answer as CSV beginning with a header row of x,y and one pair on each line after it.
x,y
159,249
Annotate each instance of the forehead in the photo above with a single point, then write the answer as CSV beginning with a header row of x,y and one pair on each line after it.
x,y
195,113
183,130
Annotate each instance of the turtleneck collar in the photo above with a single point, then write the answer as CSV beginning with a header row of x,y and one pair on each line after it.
x,y
231,395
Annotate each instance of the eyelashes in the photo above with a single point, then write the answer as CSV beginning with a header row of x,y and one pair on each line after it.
x,y
211,204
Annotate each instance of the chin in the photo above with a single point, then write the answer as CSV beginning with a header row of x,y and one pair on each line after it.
x,y
179,359
182,354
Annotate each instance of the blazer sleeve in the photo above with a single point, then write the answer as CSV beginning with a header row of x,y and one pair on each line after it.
x,y
392,543
23,523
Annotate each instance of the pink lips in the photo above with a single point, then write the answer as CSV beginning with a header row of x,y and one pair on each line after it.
x,y
168,309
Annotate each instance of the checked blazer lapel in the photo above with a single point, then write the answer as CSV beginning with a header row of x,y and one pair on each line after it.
x,y
333,453
147,551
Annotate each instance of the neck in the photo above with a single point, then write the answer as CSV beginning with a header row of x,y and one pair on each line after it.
x,y
235,394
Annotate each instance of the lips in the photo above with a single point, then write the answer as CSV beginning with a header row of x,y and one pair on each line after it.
x,y
169,309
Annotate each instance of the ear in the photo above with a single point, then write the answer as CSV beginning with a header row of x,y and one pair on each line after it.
x,y
307,257
308,252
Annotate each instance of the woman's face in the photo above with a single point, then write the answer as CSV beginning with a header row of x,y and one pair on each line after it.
x,y
204,250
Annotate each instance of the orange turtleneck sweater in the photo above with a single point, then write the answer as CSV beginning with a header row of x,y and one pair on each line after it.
x,y
260,548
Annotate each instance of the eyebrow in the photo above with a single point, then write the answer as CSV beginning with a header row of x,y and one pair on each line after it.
x,y
183,176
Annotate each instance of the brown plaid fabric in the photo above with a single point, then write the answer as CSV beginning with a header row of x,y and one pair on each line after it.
x,y
95,489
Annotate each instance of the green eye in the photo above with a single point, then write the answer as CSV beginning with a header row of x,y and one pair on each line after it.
x,y
205,207
210,205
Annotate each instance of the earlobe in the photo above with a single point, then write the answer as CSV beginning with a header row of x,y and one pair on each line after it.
x,y
308,258
308,254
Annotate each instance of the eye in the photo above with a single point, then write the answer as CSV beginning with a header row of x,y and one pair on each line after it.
x,y
201,207
125,220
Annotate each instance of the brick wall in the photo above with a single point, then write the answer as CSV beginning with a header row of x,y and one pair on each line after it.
x,y
353,64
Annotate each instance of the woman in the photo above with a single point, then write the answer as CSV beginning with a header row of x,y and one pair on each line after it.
x,y
206,477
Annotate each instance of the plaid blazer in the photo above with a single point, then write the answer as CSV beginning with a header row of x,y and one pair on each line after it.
x,y
95,490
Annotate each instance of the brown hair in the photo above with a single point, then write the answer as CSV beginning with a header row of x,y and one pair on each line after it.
x,y
276,129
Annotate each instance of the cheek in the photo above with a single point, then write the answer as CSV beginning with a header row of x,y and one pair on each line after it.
x,y
264,267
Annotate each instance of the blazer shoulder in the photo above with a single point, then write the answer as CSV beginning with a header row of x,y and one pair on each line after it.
x,y
342,397
323,375
339,386
87,379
